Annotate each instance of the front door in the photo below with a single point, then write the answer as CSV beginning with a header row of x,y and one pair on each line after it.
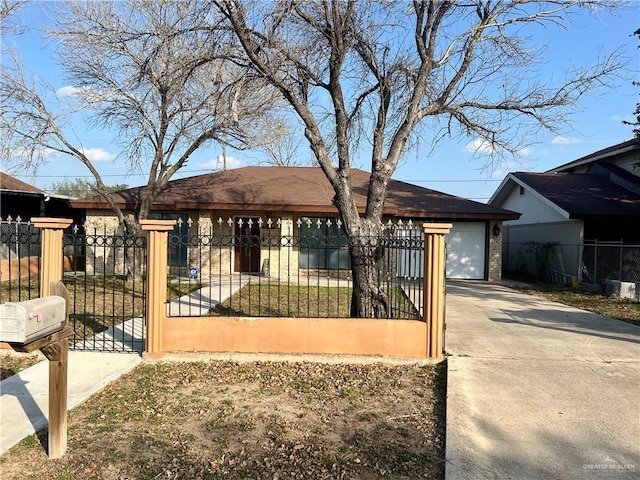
x,y
247,245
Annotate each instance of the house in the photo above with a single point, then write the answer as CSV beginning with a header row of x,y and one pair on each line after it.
x,y
595,198
297,201
19,240
19,199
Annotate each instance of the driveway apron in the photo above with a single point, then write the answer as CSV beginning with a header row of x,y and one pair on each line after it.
x,y
538,390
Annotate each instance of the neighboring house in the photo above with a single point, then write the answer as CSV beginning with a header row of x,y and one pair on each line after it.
x,y
19,199
19,245
594,198
297,202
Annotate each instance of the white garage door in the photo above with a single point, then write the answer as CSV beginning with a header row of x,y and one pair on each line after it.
x,y
466,250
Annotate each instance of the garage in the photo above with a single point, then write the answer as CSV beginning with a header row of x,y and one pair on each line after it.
x,y
466,250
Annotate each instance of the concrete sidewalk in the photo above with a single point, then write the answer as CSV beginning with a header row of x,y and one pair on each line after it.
x,y
538,390
199,302
24,397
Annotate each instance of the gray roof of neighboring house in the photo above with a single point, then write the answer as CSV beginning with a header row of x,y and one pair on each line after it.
x,y
304,190
587,194
605,155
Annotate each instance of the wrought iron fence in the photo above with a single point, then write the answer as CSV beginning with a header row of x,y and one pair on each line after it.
x,y
19,260
239,267
104,273
255,268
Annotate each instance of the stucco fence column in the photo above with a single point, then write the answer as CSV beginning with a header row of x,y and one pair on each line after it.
x,y
157,246
434,286
51,256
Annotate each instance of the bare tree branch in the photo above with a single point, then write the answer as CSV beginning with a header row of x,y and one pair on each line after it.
x,y
387,71
149,69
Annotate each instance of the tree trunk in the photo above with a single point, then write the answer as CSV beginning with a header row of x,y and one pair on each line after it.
x,y
368,299
133,256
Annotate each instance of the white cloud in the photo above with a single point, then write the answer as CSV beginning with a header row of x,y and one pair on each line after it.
x,y
98,155
564,140
218,163
69,91
623,118
479,145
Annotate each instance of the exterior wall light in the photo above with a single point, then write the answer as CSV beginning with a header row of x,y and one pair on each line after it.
x,y
496,230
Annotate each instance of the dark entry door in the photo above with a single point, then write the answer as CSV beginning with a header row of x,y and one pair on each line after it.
x,y
247,245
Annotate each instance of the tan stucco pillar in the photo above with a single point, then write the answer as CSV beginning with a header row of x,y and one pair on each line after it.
x,y
157,245
51,251
434,286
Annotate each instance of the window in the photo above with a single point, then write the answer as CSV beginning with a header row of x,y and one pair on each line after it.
x,y
521,190
178,238
323,244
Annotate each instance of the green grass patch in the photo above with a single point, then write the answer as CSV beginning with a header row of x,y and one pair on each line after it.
x,y
304,301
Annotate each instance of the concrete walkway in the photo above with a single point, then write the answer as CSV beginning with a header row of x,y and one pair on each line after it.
x,y
24,397
199,302
538,390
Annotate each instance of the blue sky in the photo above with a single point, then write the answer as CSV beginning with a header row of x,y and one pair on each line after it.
x,y
452,167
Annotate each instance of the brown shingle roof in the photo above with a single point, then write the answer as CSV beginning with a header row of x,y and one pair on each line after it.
x,y
7,182
296,189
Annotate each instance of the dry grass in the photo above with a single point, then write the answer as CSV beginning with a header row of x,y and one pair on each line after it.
x,y
225,420
12,363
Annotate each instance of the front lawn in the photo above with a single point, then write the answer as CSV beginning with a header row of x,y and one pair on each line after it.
x,y
274,300
261,420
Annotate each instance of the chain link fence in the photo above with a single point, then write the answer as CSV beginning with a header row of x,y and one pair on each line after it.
x,y
591,262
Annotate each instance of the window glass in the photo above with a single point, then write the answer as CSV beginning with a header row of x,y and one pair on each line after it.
x,y
323,245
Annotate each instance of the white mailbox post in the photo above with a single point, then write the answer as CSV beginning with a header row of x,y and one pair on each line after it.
x,y
41,324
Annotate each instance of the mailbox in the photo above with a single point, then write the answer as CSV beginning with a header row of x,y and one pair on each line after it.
x,y
24,322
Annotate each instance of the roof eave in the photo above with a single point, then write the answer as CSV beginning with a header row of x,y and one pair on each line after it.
x,y
626,147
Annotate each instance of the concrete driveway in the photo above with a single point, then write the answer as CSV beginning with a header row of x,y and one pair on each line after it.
x,y
538,390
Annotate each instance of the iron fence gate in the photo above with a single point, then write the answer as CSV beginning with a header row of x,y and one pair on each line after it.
x,y
104,274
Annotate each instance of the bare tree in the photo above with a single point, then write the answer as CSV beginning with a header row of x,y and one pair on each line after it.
x,y
282,147
146,69
370,76
636,113
8,9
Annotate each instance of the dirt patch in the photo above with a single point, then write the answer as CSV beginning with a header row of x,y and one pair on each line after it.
x,y
257,420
